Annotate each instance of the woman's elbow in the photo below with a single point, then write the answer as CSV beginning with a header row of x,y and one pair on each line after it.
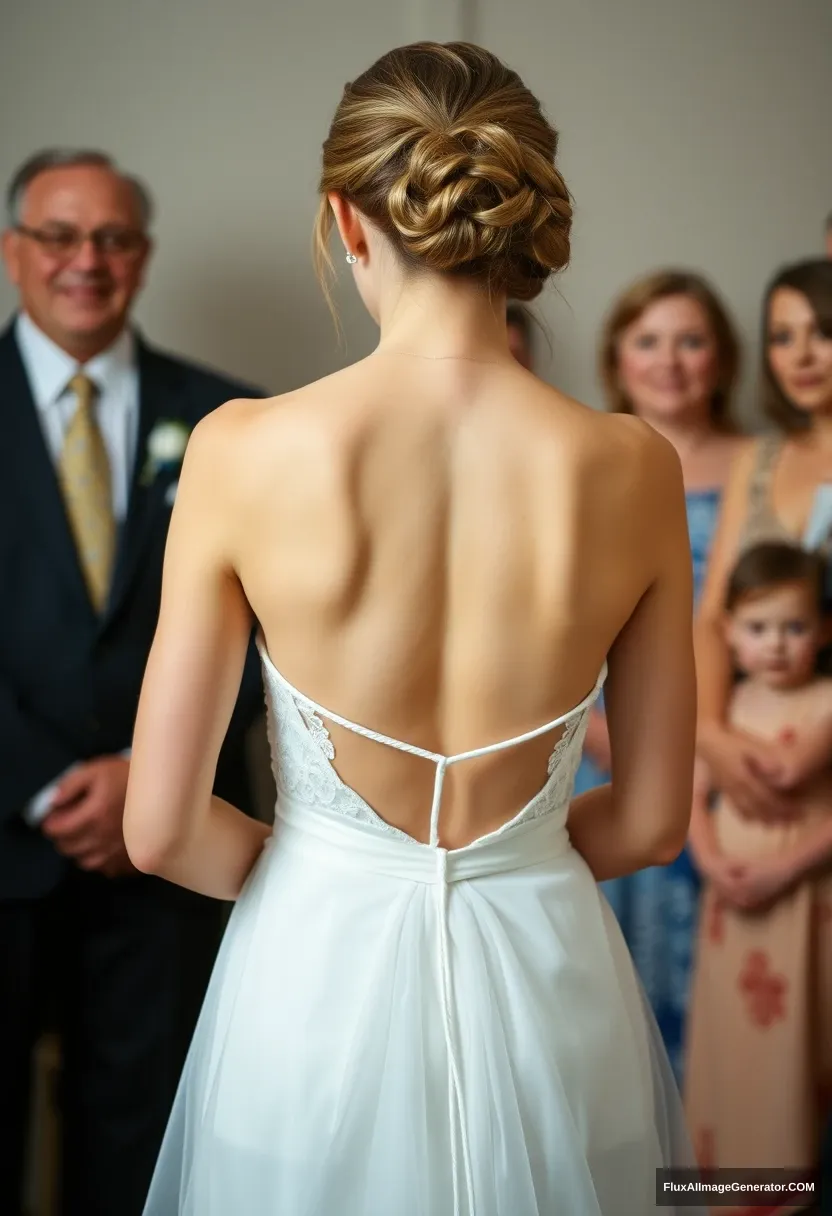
x,y
669,841
150,850
147,857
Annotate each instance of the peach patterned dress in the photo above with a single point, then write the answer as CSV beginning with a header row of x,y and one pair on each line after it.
x,y
759,1052
759,1064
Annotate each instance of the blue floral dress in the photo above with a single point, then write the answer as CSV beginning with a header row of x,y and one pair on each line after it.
x,y
657,908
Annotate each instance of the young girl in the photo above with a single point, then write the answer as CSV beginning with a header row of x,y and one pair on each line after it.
x,y
759,1062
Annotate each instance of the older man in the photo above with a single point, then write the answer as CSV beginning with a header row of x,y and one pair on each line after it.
x,y
94,426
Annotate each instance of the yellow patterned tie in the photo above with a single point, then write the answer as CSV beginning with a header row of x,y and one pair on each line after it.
x,y
84,473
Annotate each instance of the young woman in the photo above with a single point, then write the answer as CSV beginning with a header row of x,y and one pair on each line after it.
x,y
781,489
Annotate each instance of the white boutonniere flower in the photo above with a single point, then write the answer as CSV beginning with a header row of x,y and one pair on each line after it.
x,y
166,445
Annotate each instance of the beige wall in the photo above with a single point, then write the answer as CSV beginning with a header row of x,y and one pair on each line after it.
x,y
691,133
694,133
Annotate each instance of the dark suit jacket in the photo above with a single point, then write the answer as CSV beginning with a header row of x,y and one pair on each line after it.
x,y
69,679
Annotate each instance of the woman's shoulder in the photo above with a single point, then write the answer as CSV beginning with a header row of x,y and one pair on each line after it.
x,y
608,436
645,454
245,422
229,447
632,476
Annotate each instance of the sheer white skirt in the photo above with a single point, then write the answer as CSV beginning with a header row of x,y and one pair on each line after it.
x,y
319,1081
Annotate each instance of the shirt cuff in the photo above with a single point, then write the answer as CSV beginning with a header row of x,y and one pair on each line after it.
x,y
39,807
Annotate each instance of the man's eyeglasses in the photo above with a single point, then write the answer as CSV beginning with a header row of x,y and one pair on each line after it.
x,y
65,242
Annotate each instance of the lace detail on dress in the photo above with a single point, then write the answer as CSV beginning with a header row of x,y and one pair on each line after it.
x,y
563,742
302,754
316,728
302,751
563,765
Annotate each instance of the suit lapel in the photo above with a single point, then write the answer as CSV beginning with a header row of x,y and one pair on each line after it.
x,y
31,468
160,397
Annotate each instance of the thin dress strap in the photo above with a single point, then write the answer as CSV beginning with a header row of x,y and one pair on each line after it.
x,y
411,748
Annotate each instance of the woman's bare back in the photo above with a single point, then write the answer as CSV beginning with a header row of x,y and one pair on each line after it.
x,y
445,552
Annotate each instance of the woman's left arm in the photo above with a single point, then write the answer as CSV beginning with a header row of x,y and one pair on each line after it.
x,y
173,825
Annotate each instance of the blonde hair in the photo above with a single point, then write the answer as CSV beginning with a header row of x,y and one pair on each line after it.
x,y
636,300
446,151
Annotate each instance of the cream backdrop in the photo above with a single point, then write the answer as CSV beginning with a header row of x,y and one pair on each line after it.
x,y
693,134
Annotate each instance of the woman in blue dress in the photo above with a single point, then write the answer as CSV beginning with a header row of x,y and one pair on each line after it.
x,y
669,354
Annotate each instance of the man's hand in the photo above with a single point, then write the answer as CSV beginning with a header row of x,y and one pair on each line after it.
x,y
85,822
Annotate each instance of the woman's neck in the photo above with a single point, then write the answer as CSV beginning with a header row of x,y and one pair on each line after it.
x,y
438,318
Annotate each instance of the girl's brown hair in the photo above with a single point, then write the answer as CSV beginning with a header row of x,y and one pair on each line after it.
x,y
769,565
636,300
813,279
446,151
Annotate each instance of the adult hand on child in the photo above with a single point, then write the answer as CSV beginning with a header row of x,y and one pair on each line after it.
x,y
792,759
750,773
723,873
757,884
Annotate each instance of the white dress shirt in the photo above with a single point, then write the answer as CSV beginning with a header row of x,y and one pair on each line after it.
x,y
116,375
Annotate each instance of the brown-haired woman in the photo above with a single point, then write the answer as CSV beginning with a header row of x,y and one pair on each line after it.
x,y
669,354
423,1004
781,489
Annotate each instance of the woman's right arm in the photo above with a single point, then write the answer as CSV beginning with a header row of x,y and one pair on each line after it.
x,y
713,660
642,818
737,764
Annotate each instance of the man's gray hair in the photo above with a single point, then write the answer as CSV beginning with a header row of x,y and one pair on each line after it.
x,y
63,158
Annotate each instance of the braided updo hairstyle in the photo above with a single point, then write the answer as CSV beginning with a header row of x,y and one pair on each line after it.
x,y
446,151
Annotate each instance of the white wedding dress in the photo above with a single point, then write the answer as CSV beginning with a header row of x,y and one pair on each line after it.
x,y
393,1029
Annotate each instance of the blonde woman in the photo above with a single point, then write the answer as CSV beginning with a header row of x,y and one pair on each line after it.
x,y
669,355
